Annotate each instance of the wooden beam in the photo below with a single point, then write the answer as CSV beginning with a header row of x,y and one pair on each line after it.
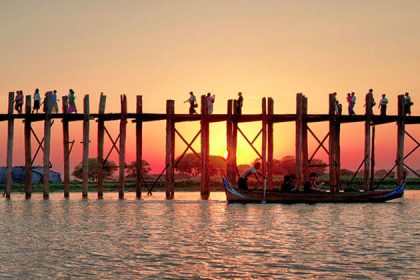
x,y
298,140
170,149
264,136
139,148
85,161
372,160
270,143
123,138
47,148
10,133
205,146
400,138
305,149
66,149
100,147
368,112
28,150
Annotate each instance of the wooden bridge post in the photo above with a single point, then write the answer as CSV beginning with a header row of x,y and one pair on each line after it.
x,y
66,149
298,145
264,136
229,141
234,145
270,141
170,148
366,175
85,162
123,138
400,138
305,161
47,148
100,148
333,144
205,146
28,150
139,147
10,133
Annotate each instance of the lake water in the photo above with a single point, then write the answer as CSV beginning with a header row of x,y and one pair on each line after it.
x,y
190,238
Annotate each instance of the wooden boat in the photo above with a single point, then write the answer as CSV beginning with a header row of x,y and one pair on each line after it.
x,y
234,195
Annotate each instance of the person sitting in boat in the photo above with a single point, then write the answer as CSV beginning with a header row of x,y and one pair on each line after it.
x,y
311,185
289,183
243,179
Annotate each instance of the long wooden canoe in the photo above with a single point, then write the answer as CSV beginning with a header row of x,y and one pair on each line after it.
x,y
234,195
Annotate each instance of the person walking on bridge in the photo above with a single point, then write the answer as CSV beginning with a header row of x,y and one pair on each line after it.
x,y
239,103
193,103
407,104
210,101
383,104
37,101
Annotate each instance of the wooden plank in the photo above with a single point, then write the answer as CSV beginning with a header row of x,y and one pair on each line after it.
x,y
400,138
170,149
66,148
264,136
10,133
85,161
139,148
368,113
205,146
298,140
100,147
123,138
270,143
305,149
47,148
28,150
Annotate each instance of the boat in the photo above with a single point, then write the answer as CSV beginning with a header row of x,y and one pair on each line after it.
x,y
234,195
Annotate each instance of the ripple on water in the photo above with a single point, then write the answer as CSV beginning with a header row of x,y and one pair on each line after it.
x,y
208,239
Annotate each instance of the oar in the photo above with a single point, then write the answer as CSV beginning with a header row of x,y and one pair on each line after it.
x,y
264,190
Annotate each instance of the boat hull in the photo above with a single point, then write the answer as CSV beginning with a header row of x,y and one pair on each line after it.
x,y
234,195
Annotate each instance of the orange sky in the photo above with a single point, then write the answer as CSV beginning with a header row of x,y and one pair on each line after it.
x,y
164,49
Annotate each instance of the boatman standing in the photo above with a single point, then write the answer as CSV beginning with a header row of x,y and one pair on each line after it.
x,y
243,179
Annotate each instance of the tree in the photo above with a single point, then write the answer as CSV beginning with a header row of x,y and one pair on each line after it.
x,y
346,172
190,164
108,169
287,165
131,170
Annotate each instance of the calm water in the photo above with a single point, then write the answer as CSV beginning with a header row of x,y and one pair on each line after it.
x,y
189,238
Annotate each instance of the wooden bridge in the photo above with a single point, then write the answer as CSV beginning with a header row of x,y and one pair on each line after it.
x,y
267,119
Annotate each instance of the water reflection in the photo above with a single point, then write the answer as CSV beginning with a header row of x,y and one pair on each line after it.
x,y
190,238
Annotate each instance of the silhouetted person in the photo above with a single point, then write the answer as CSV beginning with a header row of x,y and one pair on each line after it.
x,y
289,183
210,101
383,103
311,185
54,104
338,108
45,102
193,103
72,102
37,101
352,104
239,103
407,104
243,179
19,101
349,107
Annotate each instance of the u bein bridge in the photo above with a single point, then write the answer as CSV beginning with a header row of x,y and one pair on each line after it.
x,y
267,118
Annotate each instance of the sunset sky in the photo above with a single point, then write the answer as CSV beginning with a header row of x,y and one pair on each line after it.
x,y
164,49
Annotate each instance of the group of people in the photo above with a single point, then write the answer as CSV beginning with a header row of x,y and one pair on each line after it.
x,y
383,104
289,181
71,106
192,101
